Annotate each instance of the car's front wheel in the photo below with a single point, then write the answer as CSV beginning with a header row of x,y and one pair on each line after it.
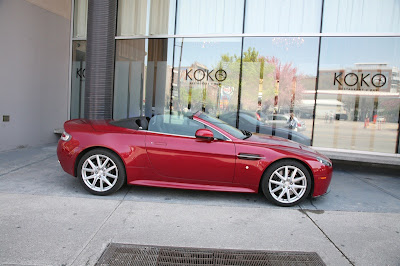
x,y
101,172
286,183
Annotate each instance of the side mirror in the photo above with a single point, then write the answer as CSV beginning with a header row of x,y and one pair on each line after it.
x,y
204,134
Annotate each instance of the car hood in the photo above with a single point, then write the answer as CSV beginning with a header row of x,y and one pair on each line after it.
x,y
271,140
281,144
282,133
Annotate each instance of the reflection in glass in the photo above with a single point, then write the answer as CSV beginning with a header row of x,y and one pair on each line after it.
x,y
80,18
78,66
206,75
358,94
145,17
142,73
209,16
277,78
361,16
283,16
174,124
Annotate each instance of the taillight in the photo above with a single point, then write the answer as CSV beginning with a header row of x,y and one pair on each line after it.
x,y
65,136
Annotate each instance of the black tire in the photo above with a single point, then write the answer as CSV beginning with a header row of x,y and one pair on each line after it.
x,y
278,191
116,176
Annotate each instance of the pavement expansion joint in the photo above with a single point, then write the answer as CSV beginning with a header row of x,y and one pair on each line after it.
x,y
304,211
100,227
26,165
375,186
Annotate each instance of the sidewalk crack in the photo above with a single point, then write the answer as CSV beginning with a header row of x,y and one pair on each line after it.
x,y
101,226
375,186
327,237
26,165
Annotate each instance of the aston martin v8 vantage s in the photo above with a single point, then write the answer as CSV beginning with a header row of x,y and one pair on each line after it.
x,y
190,152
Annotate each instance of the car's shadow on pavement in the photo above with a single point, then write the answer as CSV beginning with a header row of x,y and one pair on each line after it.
x,y
182,196
48,178
351,190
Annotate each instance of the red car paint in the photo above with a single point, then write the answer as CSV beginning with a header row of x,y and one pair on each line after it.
x,y
165,160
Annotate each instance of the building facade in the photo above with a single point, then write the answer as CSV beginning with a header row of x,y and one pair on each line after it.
x,y
34,66
333,64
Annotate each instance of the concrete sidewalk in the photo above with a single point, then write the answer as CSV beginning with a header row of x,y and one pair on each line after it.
x,y
47,218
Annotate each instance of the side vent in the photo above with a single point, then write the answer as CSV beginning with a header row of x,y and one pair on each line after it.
x,y
250,156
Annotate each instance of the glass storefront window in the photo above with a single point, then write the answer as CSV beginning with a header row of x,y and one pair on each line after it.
x,y
143,70
209,16
78,66
269,16
356,105
358,94
361,16
278,80
80,18
206,75
145,17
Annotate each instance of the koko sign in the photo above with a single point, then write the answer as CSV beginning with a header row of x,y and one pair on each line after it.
x,y
360,81
205,76
80,72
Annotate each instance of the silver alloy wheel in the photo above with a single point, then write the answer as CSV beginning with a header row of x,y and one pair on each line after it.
x,y
99,173
287,184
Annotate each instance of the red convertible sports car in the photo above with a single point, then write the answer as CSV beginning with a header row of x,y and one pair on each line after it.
x,y
190,152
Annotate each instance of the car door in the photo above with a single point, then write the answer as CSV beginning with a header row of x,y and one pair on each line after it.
x,y
175,152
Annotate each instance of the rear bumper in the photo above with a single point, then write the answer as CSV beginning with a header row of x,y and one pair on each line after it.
x,y
67,152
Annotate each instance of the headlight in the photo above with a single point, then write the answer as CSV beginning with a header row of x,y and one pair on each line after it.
x,y
65,136
324,162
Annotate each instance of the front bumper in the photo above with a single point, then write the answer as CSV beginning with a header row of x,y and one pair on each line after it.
x,y
322,181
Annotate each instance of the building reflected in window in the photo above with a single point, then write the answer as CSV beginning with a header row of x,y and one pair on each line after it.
x,y
358,95
272,67
205,77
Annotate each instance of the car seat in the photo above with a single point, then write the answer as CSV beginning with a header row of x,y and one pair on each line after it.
x,y
142,122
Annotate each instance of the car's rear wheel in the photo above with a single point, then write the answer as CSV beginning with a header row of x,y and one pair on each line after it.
x,y
101,172
286,183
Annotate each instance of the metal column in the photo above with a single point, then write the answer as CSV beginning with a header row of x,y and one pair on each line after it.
x,y
100,54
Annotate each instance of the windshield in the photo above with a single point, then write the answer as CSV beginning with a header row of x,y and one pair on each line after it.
x,y
224,126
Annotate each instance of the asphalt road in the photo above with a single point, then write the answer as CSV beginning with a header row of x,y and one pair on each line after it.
x,y
47,218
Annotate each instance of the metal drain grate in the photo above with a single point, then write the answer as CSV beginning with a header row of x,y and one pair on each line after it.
x,y
137,255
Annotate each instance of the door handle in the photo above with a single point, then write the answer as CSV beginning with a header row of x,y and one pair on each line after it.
x,y
159,143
